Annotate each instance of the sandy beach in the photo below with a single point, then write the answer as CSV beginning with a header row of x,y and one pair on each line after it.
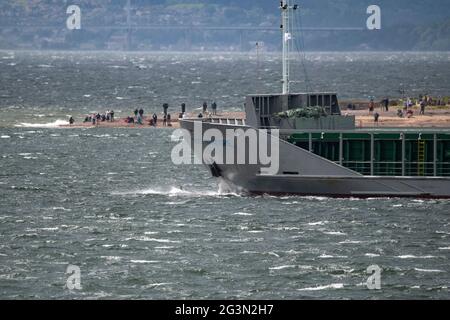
x,y
434,117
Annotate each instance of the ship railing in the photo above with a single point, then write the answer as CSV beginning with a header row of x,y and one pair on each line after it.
x,y
397,168
387,168
231,121
362,167
443,169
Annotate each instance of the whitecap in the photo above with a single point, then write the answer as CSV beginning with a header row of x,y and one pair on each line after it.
x,y
350,242
428,270
410,256
371,255
242,214
318,223
330,286
154,240
335,233
111,258
144,261
117,67
54,124
158,284
289,266
5,137
61,208
50,229
327,256
273,254
172,192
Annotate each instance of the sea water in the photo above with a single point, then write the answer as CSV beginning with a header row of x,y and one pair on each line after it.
x,y
111,202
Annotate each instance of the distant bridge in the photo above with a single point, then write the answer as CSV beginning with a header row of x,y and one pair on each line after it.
x,y
185,29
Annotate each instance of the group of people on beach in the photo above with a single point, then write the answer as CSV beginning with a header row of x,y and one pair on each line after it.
x,y
406,112
139,118
97,117
205,109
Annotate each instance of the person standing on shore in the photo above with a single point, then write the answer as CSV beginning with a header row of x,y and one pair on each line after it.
x,y
155,120
214,108
136,112
386,104
422,107
205,107
141,112
371,106
112,115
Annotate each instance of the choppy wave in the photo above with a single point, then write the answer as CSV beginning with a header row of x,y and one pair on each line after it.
x,y
177,192
171,192
54,124
242,214
428,270
282,267
410,256
326,287
145,261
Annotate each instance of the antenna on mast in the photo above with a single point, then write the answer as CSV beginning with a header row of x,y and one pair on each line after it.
x,y
286,10
128,37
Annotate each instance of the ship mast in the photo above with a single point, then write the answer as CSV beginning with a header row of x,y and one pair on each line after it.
x,y
286,38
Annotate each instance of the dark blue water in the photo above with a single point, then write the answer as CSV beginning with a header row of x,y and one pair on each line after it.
x,y
111,202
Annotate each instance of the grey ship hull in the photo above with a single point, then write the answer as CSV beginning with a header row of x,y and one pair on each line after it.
x,y
304,173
